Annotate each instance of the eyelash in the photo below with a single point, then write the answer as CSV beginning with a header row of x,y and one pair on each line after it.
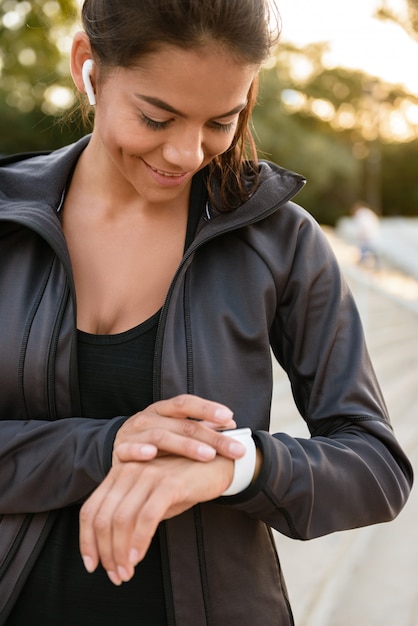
x,y
154,125
224,128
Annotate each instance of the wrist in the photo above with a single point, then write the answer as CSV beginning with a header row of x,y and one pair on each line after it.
x,y
246,466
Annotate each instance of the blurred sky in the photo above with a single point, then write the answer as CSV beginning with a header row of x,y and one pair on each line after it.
x,y
357,40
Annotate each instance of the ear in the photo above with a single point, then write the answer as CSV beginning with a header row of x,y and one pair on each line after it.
x,y
80,53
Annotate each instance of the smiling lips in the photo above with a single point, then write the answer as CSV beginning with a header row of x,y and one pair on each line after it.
x,y
168,174
168,179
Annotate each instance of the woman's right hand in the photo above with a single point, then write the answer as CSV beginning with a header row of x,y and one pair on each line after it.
x,y
119,519
185,426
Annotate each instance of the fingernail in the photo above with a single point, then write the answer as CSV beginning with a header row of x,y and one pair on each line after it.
x,y
134,557
206,453
123,574
236,448
114,578
223,414
148,450
88,564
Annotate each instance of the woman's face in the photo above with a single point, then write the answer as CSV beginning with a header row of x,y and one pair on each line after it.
x,y
156,125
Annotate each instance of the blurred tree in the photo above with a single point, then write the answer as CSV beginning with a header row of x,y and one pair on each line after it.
x,y
330,125
34,74
303,142
399,182
413,14
405,14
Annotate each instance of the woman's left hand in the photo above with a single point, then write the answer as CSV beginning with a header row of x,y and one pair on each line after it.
x,y
120,518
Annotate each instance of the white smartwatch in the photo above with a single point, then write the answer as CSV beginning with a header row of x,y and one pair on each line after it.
x,y
244,466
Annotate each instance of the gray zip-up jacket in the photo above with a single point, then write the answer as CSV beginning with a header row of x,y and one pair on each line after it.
x,y
258,280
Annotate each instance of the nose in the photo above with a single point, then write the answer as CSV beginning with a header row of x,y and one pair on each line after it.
x,y
185,150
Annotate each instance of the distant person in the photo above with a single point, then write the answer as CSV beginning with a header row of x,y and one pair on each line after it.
x,y
147,274
367,233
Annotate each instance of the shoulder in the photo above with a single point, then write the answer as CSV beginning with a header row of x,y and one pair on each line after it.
x,y
37,159
38,176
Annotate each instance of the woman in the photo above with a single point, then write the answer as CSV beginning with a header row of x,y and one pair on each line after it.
x,y
147,272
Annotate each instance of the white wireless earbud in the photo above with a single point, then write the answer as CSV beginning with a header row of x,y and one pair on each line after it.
x,y
86,74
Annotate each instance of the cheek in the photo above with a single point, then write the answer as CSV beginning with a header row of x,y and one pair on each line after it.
x,y
125,135
133,141
218,144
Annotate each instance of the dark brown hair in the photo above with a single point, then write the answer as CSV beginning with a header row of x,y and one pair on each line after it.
x,y
122,31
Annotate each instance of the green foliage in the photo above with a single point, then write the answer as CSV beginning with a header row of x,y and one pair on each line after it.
x,y
34,73
332,125
406,15
26,132
399,180
307,145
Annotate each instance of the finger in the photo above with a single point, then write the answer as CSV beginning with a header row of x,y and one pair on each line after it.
x,y
171,443
187,438
97,520
225,446
153,511
187,405
227,426
173,492
173,485
87,539
135,512
135,451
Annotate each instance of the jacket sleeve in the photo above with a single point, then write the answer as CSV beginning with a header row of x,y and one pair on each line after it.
x,y
352,471
48,465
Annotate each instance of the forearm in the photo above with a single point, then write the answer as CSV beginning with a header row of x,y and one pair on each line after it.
x,y
49,465
311,487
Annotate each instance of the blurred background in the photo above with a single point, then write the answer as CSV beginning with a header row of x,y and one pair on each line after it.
x,y
338,101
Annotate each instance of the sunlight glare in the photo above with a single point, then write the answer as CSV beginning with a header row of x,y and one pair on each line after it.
x,y
356,38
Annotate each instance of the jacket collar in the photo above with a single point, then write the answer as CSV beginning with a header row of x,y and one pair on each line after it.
x,y
276,186
40,178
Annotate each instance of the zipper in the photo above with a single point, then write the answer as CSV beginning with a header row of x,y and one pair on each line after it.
x,y
165,566
201,552
197,511
15,564
16,544
50,377
24,345
187,324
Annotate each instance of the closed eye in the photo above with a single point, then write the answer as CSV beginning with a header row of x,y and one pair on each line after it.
x,y
153,124
226,128
161,125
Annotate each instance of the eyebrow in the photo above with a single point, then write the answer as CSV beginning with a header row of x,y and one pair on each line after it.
x,y
167,107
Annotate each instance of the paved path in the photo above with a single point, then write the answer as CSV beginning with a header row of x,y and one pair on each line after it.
x,y
398,241
365,577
